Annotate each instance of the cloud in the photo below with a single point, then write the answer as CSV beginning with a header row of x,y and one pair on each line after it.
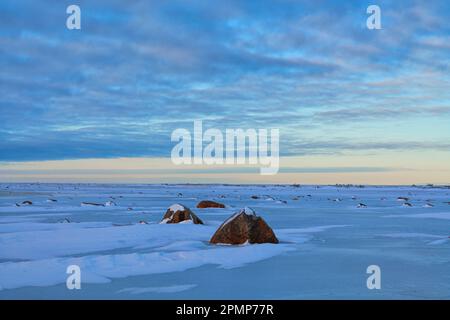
x,y
360,114
193,170
336,147
137,71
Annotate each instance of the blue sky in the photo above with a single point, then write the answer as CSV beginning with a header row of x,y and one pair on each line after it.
x,y
139,69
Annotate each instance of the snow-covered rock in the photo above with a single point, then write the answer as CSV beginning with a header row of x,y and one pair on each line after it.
x,y
244,226
178,213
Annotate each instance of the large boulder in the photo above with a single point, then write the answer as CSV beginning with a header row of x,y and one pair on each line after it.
x,y
209,204
178,213
244,226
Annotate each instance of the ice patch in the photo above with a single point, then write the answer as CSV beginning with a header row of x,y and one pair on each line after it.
x,y
30,217
411,235
100,269
65,240
36,226
440,239
168,289
183,246
302,235
434,215
313,229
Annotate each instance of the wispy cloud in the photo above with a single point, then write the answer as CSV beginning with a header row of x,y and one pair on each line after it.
x,y
138,70
363,114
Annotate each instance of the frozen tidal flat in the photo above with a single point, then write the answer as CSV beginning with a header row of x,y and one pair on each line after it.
x,y
326,243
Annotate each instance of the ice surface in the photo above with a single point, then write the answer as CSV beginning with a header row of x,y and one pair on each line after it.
x,y
324,250
102,268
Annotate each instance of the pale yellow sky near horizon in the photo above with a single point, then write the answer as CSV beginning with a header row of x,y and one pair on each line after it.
x,y
388,168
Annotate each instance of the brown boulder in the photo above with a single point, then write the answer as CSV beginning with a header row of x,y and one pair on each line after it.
x,y
244,226
209,204
178,213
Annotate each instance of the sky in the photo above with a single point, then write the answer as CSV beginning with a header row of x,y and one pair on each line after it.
x,y
99,104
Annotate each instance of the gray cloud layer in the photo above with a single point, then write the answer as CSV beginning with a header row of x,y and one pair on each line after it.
x,y
137,70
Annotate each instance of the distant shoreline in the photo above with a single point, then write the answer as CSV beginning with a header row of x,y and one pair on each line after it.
x,y
419,186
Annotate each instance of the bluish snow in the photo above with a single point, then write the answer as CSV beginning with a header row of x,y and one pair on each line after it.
x,y
325,245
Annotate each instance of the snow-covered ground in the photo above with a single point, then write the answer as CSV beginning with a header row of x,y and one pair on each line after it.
x,y
326,242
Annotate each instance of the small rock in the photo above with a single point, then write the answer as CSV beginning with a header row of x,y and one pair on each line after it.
x,y
407,204
362,205
121,224
92,204
210,204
